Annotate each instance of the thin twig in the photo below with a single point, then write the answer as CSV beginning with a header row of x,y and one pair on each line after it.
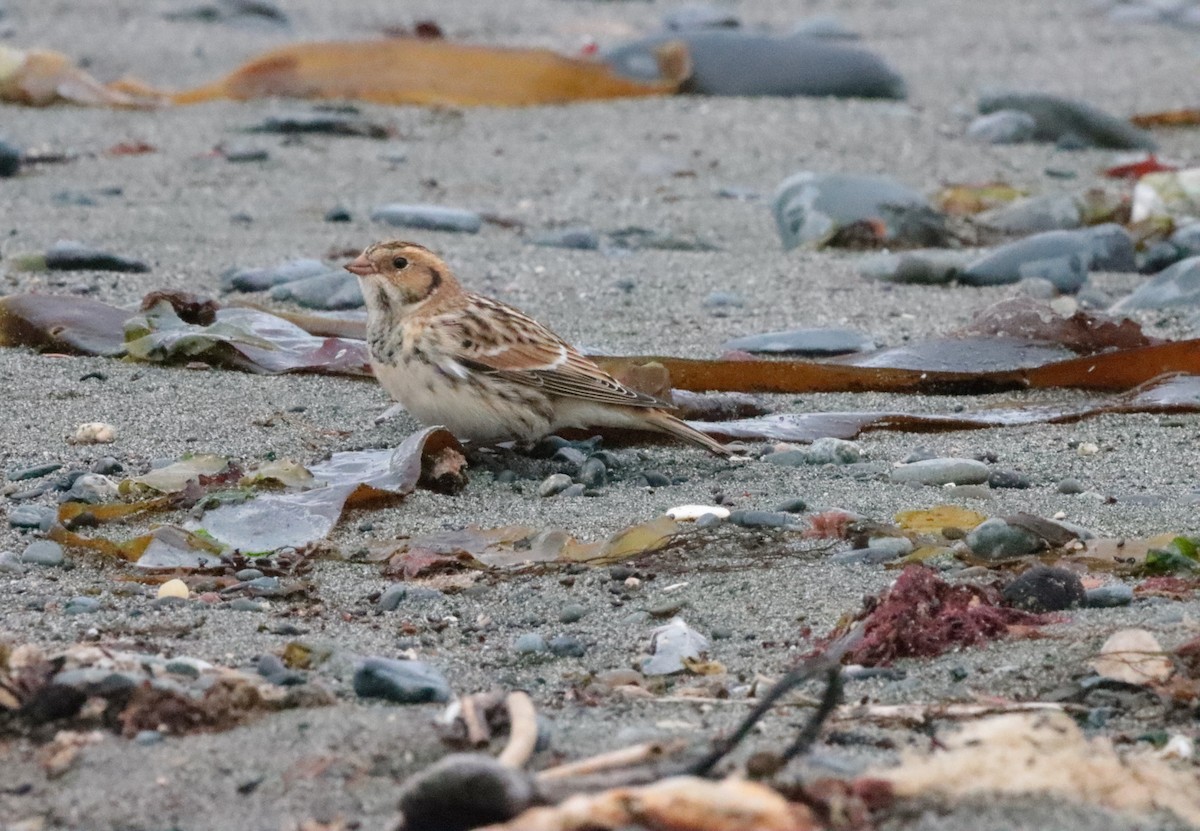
x,y
522,731
637,754
812,727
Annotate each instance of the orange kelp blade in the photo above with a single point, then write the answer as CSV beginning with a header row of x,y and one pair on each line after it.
x,y
40,77
415,71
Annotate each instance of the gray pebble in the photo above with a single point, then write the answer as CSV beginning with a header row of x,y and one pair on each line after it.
x,y
30,516
1058,118
576,490
995,539
804,342
148,737
1008,479
263,585
1105,597
554,484
10,563
338,214
761,519
242,155
831,451
428,217
655,479
792,506
329,291
581,239
404,682
506,476
864,556
34,472
941,472
570,455
708,520
530,643
93,489
239,604
392,596
248,574
10,160
897,546
723,299
260,279
107,466
1002,127
1175,287
68,255
593,473
1045,589
44,553
81,606
572,613
927,267
567,646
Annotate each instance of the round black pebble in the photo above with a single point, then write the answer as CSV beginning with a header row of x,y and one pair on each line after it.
x,y
10,160
462,791
1045,589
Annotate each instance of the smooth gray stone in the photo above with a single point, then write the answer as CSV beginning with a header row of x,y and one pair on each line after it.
x,y
995,539
762,519
1033,214
810,208
581,239
1107,597
81,606
428,217
530,643
1003,127
260,279
404,682
1176,287
1062,257
1045,589
810,342
44,553
865,556
10,160
1058,117
733,62
927,267
699,16
35,472
391,598
331,290
30,516
941,471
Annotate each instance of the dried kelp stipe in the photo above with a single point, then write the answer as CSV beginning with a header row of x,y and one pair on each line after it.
x,y
438,72
40,77
922,616
1184,117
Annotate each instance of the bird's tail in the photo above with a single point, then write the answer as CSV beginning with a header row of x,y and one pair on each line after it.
x,y
667,423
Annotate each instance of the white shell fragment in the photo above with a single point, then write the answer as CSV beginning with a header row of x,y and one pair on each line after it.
x,y
94,432
691,513
174,588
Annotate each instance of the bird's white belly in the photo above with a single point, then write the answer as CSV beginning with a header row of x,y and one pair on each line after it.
x,y
466,408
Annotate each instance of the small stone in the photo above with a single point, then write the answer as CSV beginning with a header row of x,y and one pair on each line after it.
x,y
1173,288
709,520
761,519
941,472
462,791
699,16
926,267
261,279
720,299
575,490
593,473
94,432
567,646
530,643
10,160
392,596
10,563
1059,118
30,516
428,217
264,586
107,466
1071,486
320,122
995,539
242,155
1045,589
245,604
44,553
338,214
1087,448
145,738
248,574
1039,288
792,506
896,546
1107,597
811,343
506,477
93,489
35,472
404,682
330,291
865,556
831,451
81,606
554,484
175,588
572,613
1008,479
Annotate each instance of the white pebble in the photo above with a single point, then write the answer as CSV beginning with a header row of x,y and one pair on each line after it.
x,y
174,588
1060,514
1088,448
691,513
1179,747
632,582
95,432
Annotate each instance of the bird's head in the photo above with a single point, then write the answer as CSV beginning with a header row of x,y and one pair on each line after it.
x,y
400,273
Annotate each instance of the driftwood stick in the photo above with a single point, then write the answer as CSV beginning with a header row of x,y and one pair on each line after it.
x,y
638,754
522,731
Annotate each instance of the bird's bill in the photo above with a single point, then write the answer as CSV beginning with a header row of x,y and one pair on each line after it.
x,y
361,266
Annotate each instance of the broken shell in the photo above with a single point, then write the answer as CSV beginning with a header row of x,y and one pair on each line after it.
x,y
94,432
174,588
691,513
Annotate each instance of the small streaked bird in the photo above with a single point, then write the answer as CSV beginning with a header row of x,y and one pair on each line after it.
x,y
484,370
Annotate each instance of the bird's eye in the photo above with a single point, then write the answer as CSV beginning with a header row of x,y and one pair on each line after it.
x,y
399,262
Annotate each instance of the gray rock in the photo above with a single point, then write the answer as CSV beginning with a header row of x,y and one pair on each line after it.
x,y
865,556
1070,485
656,479
404,682
572,613
581,239
929,267
896,546
593,473
1045,589
244,154
1057,118
699,16
807,342
1062,257
245,604
261,279
574,490
1034,214
1176,287
1039,288
811,209
10,160
145,738
761,519
329,291
10,563
734,62
68,255
554,484
428,217
44,553
1107,597
995,539
1003,127
338,214
723,299
941,472
530,643
93,489
830,451
792,506
320,122
107,466
463,791
35,472
636,238
1008,479
248,574
81,606
30,516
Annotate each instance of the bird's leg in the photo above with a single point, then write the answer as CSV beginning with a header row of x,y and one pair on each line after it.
x,y
390,413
